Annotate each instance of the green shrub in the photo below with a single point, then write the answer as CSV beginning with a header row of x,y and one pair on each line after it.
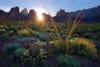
x,y
9,49
38,55
4,36
88,53
41,53
3,30
38,27
22,55
66,61
42,37
83,47
12,26
60,49
24,33
57,47
20,52
33,26
35,33
81,50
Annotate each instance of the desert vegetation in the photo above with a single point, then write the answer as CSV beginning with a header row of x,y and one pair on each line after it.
x,y
29,43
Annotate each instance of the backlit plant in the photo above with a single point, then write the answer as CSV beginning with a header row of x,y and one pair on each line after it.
x,y
84,46
24,32
68,30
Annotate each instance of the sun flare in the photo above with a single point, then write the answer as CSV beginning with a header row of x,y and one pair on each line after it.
x,y
39,14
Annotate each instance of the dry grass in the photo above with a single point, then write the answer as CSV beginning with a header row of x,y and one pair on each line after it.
x,y
90,45
70,31
54,25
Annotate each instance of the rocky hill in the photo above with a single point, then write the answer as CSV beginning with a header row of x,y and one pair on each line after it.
x,y
15,15
90,15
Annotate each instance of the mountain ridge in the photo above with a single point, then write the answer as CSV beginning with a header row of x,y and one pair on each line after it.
x,y
91,15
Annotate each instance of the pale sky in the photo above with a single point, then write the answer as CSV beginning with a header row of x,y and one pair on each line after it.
x,y
52,5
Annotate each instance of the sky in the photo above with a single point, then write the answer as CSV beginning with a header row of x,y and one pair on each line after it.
x,y
52,5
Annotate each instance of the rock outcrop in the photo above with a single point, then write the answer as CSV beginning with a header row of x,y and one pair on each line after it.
x,y
91,15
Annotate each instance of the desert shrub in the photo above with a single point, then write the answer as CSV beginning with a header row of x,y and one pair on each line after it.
x,y
2,30
60,49
38,55
4,36
41,53
43,37
66,61
83,46
1,26
57,47
35,33
22,55
12,26
36,26
33,26
81,50
24,32
20,52
40,43
10,48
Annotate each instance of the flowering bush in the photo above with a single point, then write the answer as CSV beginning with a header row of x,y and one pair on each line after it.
x,y
24,32
83,46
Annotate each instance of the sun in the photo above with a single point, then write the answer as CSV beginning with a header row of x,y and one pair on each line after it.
x,y
39,14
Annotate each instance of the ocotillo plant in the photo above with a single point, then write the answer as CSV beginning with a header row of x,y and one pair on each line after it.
x,y
69,31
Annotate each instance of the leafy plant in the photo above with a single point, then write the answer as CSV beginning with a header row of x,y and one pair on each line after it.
x,y
2,30
36,26
22,55
60,49
9,49
83,46
42,37
4,36
20,52
24,32
69,30
66,61
38,55
12,26
35,33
